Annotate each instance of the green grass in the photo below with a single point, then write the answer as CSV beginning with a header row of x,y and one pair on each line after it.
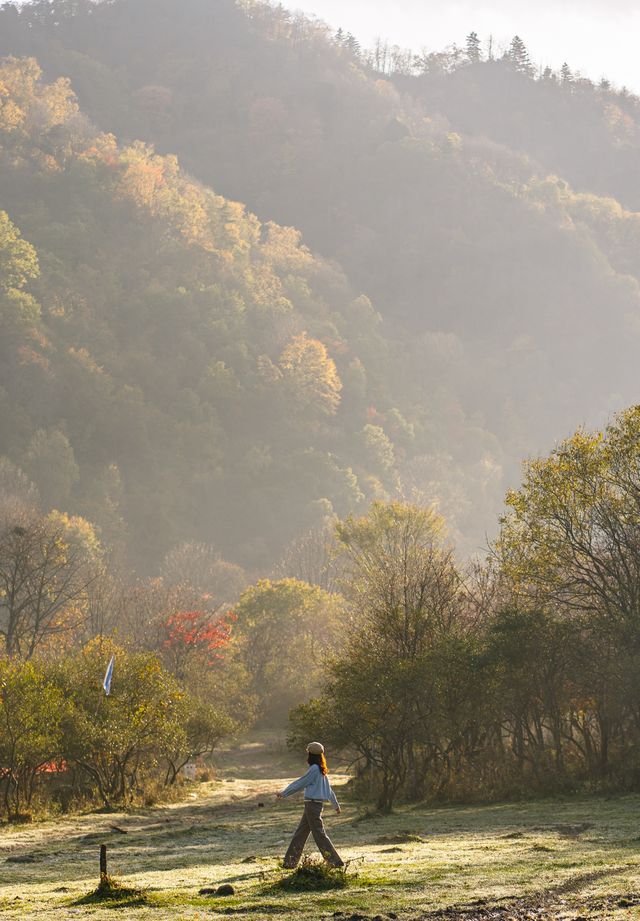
x,y
577,856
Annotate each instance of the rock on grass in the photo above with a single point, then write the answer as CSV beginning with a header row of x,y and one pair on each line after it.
x,y
225,889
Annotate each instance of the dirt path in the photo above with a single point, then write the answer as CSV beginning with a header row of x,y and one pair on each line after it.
x,y
160,848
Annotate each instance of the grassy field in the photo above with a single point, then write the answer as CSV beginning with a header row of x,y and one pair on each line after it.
x,y
560,859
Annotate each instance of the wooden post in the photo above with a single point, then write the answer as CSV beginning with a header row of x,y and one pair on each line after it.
x,y
103,864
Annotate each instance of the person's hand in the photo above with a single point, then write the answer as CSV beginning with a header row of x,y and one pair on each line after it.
x,y
279,796
338,810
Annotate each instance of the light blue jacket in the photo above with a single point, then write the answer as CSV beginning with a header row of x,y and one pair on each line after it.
x,y
315,785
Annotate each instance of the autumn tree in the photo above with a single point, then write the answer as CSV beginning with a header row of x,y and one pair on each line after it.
x,y
46,568
32,712
377,449
194,638
19,311
27,103
19,498
201,567
405,597
311,374
534,659
198,731
194,635
570,532
312,558
115,740
18,259
51,463
286,629
569,540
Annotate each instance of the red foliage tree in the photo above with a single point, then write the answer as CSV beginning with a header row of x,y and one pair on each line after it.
x,y
190,632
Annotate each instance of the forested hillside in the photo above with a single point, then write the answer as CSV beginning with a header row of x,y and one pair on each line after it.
x,y
587,133
280,318
171,367
457,198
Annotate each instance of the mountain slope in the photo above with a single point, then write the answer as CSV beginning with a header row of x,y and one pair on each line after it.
x,y
588,134
170,372
510,303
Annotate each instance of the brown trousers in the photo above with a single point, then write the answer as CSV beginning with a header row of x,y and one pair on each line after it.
x,y
311,823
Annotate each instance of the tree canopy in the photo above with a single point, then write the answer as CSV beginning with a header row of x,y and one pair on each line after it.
x,y
476,210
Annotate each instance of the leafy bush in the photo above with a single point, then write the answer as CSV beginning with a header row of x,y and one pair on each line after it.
x,y
32,712
63,738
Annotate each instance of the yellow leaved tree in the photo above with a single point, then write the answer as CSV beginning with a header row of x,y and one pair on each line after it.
x,y
311,373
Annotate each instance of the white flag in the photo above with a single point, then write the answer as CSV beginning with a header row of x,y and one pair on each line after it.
x,y
106,684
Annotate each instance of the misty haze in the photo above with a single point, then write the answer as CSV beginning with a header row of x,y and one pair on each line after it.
x,y
319,443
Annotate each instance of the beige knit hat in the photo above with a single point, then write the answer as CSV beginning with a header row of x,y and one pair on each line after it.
x,y
315,748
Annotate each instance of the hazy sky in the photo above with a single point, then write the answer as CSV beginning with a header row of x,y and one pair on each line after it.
x,y
597,37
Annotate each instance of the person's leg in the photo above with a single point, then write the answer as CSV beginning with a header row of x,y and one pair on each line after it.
x,y
295,849
320,836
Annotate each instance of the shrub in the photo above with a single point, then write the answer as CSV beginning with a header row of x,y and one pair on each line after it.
x,y
32,711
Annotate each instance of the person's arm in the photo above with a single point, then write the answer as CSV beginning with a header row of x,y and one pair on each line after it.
x,y
300,783
334,799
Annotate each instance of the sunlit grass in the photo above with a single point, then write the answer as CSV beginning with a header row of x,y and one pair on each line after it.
x,y
582,853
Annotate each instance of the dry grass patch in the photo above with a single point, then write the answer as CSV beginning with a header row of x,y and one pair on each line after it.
x,y
313,876
111,891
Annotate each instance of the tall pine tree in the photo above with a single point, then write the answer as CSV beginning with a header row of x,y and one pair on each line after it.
x,y
519,57
565,73
474,54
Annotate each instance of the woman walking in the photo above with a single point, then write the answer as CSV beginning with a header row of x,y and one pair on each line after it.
x,y
317,792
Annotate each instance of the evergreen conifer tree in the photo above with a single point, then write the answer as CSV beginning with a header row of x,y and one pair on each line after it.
x,y
519,56
352,44
474,54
